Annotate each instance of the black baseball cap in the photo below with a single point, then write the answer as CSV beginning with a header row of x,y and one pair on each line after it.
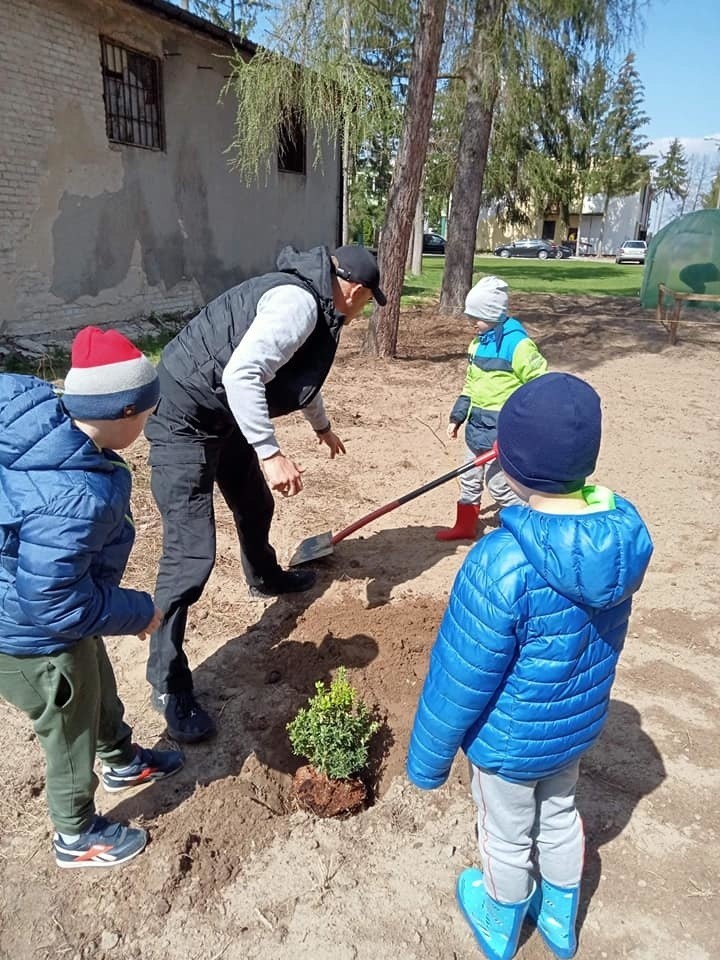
x,y
358,265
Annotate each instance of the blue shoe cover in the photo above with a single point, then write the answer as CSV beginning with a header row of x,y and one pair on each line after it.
x,y
496,925
554,910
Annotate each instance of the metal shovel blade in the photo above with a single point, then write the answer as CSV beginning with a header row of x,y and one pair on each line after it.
x,y
312,548
323,544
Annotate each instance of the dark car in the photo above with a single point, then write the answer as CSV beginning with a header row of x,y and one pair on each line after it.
x,y
433,243
542,249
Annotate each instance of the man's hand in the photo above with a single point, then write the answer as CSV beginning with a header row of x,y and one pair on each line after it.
x,y
283,475
157,619
333,441
452,431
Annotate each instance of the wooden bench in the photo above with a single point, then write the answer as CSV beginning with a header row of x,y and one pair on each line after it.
x,y
668,313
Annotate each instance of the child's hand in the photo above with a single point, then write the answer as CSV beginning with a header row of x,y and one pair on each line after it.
x,y
452,430
157,619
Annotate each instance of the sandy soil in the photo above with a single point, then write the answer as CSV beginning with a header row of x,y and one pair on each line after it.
x,y
233,871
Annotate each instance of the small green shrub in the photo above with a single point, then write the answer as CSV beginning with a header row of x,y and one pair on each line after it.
x,y
334,731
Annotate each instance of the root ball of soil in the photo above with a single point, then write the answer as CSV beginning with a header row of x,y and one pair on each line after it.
x,y
324,797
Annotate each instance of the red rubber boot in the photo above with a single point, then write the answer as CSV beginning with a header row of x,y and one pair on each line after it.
x,y
465,523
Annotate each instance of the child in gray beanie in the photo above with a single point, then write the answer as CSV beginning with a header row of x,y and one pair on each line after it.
x,y
501,358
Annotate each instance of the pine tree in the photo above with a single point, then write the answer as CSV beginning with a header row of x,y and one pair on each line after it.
x,y
481,73
546,127
619,165
671,176
551,57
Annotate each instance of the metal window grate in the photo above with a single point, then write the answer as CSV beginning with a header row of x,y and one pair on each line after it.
x,y
132,90
291,143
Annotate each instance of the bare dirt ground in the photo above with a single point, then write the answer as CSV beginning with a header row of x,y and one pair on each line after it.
x,y
233,871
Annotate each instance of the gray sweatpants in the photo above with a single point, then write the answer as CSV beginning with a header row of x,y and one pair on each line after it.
x,y
516,820
490,475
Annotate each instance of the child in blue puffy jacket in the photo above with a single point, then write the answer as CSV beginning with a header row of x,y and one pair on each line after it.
x,y
521,672
65,536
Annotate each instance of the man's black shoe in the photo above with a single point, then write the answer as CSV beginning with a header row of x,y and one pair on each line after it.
x,y
285,581
186,720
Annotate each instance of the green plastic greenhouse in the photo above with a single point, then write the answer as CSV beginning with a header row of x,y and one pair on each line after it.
x,y
685,256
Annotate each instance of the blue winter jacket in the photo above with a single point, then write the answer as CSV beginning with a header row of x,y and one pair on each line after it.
x,y
521,671
65,528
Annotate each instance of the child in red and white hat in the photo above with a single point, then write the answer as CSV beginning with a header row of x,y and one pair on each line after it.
x,y
65,536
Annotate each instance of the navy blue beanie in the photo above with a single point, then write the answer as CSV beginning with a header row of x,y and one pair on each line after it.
x,y
549,433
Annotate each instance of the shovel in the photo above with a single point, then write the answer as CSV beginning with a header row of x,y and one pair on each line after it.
x,y
322,545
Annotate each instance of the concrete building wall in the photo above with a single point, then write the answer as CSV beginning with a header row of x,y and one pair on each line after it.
x,y
620,225
100,232
491,231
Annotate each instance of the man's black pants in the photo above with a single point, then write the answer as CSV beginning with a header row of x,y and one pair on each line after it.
x,y
188,455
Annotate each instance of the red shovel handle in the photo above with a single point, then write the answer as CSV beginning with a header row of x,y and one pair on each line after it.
x,y
479,461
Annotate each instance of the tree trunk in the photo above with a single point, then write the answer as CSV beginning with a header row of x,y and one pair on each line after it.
x,y
482,77
700,183
601,238
658,225
382,332
564,219
346,158
417,238
578,243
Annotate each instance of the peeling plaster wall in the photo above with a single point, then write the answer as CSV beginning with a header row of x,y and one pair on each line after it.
x,y
95,232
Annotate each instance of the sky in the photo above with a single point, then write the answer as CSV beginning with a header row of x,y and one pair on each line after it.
x,y
678,59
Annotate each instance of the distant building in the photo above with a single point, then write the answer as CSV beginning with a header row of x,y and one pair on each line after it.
x,y
627,219
116,199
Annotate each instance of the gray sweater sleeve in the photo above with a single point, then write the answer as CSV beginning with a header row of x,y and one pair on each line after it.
x,y
285,318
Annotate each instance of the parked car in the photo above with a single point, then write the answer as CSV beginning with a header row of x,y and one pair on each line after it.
x,y
433,243
542,249
631,250
564,250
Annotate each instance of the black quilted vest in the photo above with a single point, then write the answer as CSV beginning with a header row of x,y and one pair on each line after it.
x,y
192,364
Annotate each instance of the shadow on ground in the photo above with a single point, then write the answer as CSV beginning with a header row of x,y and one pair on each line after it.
x,y
257,681
574,333
623,767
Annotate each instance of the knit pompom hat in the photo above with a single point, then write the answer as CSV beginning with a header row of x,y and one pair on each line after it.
x,y
488,300
109,378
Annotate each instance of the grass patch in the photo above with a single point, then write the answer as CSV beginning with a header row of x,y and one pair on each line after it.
x,y
52,365
55,362
564,277
152,345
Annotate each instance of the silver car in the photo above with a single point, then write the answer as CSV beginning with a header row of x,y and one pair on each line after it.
x,y
631,250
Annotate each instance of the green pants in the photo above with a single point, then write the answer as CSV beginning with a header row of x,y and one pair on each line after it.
x,y
72,700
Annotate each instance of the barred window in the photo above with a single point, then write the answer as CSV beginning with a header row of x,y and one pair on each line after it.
x,y
132,90
291,143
